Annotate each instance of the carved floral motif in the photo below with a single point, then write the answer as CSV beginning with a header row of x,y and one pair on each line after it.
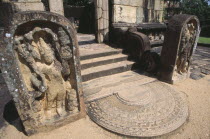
x,y
187,42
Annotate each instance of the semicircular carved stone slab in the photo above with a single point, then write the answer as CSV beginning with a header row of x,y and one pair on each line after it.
x,y
40,63
180,42
142,108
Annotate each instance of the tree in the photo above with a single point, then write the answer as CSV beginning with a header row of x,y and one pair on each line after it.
x,y
200,8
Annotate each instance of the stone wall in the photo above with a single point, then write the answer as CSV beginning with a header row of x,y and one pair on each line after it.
x,y
27,5
137,11
55,6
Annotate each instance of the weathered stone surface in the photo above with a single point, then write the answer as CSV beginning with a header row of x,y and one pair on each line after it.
x,y
125,14
29,0
135,43
196,76
140,15
102,20
180,42
29,6
159,5
135,105
137,11
40,64
135,3
56,6
205,71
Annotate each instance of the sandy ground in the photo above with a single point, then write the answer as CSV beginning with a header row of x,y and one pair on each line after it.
x,y
197,126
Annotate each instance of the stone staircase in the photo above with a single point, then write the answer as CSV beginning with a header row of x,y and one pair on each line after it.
x,y
102,63
101,60
125,100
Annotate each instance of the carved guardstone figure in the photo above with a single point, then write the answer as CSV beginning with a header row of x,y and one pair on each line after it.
x,y
40,64
180,42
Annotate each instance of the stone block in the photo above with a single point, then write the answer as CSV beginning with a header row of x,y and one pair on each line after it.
x,y
56,6
135,3
124,14
28,1
29,6
121,2
140,15
158,5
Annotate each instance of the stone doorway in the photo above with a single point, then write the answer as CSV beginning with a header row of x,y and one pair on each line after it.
x,y
95,20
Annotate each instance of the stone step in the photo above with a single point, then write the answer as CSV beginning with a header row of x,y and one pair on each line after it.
x,y
92,87
100,53
89,63
109,69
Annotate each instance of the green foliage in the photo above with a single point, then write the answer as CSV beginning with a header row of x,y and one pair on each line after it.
x,y
205,30
199,8
204,40
77,2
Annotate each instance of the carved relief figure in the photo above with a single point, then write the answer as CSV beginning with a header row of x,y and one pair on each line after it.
x,y
186,46
44,60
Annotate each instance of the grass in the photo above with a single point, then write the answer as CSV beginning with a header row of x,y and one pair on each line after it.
x,y
204,40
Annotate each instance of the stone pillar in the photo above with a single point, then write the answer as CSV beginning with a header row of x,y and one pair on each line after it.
x,y
140,13
27,5
150,9
56,6
154,10
102,20
159,4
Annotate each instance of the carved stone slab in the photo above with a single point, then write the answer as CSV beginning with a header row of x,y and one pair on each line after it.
x,y
143,107
180,42
40,63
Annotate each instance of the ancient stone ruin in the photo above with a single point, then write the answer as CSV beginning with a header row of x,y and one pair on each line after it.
x,y
146,16
137,11
180,42
40,64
